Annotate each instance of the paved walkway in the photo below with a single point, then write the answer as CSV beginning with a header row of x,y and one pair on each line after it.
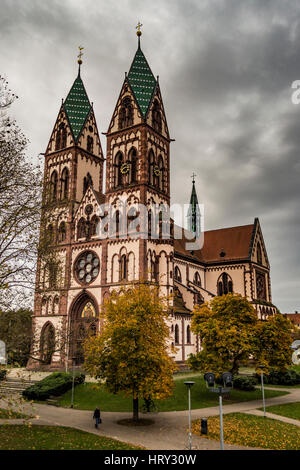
x,y
169,432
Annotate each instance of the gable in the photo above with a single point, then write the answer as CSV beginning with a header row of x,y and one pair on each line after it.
x,y
60,120
90,198
137,117
256,242
157,99
90,131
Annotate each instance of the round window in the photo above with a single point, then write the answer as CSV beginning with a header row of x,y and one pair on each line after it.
x,y
87,267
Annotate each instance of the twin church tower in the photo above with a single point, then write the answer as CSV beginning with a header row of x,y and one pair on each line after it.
x,y
137,170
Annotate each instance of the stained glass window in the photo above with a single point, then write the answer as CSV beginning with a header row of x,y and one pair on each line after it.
x,y
88,311
87,267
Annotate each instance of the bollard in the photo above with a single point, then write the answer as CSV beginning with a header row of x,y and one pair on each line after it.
x,y
203,425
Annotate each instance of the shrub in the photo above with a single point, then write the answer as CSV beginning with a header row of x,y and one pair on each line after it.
x,y
2,374
244,383
55,384
278,377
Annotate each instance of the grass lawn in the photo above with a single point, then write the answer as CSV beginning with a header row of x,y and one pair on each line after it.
x,y
23,437
7,414
252,431
290,410
88,396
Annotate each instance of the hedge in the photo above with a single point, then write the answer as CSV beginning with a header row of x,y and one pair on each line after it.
x,y
2,374
53,385
244,383
277,377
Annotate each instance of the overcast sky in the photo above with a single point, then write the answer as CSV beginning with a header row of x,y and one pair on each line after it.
x,y
225,70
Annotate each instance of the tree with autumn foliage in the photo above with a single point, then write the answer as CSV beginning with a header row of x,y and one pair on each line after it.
x,y
273,343
132,352
230,333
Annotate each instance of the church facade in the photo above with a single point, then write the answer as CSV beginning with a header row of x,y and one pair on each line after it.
x,y
136,171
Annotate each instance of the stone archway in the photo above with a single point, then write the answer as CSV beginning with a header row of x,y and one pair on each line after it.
x,y
84,321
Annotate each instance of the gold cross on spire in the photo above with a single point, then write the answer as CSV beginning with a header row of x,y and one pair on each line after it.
x,y
80,55
193,176
138,27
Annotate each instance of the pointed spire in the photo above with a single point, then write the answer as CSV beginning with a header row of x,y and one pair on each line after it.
x,y
141,78
194,215
77,104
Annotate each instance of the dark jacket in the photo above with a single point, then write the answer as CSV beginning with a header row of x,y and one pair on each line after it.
x,y
96,413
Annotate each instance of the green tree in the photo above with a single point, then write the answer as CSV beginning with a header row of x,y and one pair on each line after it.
x,y
230,333
131,353
273,341
226,327
16,332
20,189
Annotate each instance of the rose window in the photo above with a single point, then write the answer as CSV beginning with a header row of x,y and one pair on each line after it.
x,y
87,267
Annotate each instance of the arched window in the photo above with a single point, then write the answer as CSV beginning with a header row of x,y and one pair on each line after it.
x,y
118,169
90,144
53,186
47,343
151,167
81,228
44,306
87,181
126,113
198,299
50,234
123,268
155,269
259,253
177,274
225,285
94,224
188,334
133,165
197,279
62,232
64,184
176,334
58,140
161,173
55,305
150,217
61,137
156,116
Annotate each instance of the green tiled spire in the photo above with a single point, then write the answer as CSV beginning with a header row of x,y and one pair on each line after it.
x,y
77,106
142,81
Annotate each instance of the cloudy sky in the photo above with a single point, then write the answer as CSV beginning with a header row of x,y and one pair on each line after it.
x,y
225,68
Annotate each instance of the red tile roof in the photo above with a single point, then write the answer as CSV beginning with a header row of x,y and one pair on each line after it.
x,y
234,243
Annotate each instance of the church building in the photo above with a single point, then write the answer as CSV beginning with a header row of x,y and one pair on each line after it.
x,y
136,169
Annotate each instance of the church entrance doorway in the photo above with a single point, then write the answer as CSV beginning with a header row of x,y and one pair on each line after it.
x,y
83,323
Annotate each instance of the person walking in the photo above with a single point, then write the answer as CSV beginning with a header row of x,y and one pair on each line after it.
x,y
97,418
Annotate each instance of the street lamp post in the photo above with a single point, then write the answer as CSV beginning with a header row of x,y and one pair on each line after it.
x,y
73,380
262,388
209,377
189,386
